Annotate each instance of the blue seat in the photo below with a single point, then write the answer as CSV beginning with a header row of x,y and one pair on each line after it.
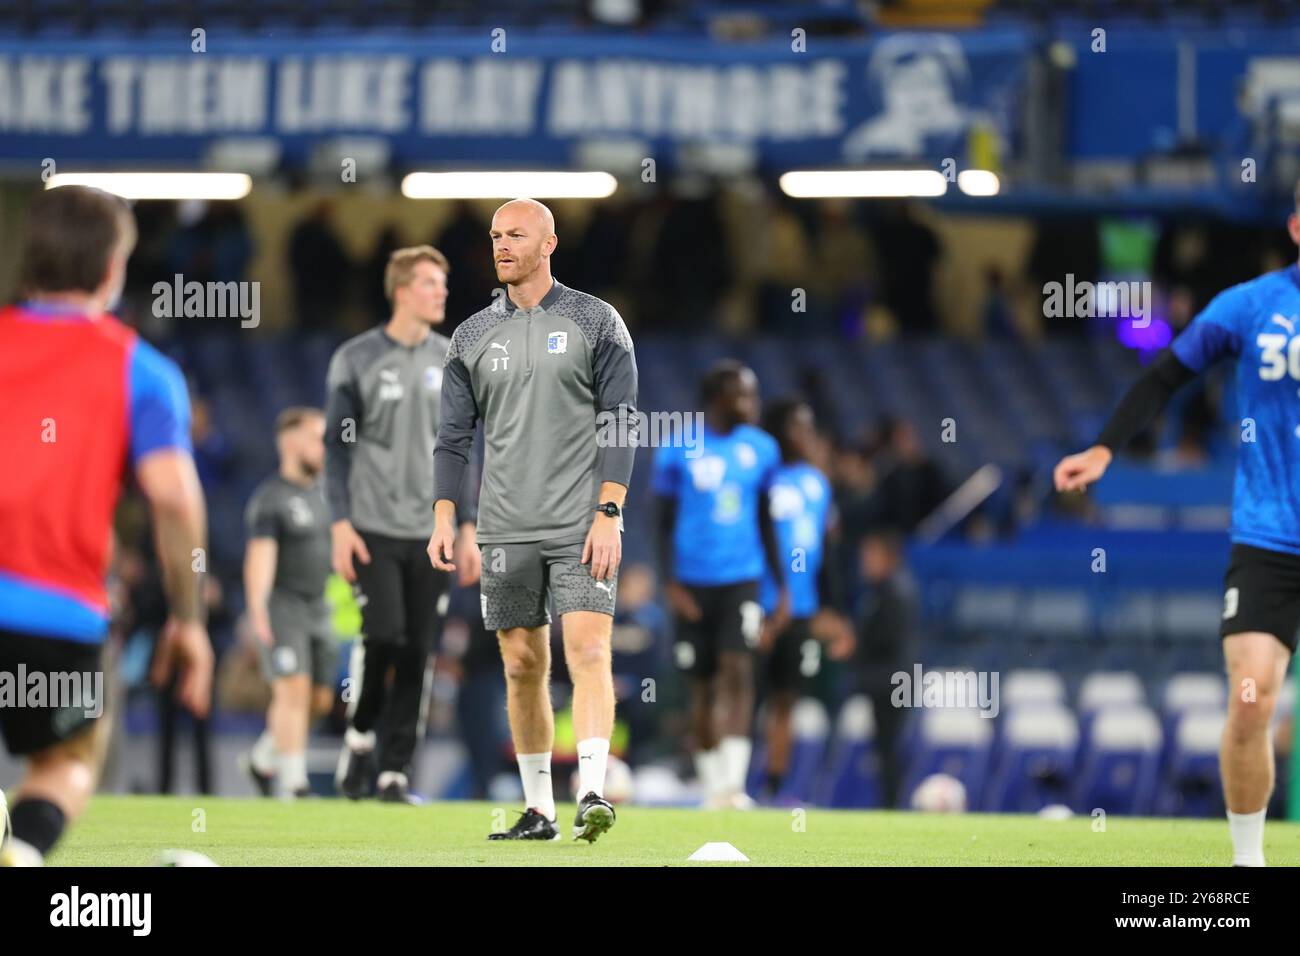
x,y
1035,763
1188,691
956,741
1102,690
851,778
810,728
1190,785
1117,772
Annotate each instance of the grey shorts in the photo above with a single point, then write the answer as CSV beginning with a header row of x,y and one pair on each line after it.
x,y
304,639
517,577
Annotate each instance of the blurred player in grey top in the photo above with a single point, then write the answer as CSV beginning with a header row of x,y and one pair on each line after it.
x,y
286,565
382,419
551,373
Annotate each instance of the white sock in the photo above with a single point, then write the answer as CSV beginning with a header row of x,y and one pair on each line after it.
x,y
535,772
358,742
1247,831
391,776
263,753
735,762
293,773
708,766
592,756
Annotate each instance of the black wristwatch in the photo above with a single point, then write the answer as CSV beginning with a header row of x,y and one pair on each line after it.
x,y
610,509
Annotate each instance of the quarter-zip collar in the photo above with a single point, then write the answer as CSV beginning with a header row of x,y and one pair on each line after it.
x,y
547,300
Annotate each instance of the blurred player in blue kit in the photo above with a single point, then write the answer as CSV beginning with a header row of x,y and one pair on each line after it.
x,y
803,515
715,538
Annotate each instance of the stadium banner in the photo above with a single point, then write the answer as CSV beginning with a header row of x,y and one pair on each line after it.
x,y
510,97
1227,89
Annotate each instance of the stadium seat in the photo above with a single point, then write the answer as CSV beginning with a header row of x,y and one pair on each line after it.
x,y
1035,764
954,741
995,610
1130,616
1191,616
1032,686
810,728
1191,784
1058,613
851,777
1187,692
1109,689
1118,769
1104,690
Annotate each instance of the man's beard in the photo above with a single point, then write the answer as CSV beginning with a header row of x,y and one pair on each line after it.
x,y
526,266
310,469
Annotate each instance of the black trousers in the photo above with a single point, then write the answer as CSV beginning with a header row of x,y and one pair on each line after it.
x,y
889,731
403,605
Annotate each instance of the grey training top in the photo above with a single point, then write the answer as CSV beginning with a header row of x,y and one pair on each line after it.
x,y
299,521
379,471
538,378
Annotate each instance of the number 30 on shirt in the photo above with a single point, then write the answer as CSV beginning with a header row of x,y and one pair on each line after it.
x,y
1279,357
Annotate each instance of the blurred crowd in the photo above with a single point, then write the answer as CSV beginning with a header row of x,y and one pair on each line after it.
x,y
722,258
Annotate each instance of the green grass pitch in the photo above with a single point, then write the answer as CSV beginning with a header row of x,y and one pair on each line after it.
x,y
130,831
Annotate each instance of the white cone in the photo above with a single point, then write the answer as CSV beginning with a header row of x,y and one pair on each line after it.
x,y
719,853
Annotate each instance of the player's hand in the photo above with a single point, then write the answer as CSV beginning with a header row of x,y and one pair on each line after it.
x,y
469,560
834,630
260,626
184,649
1076,472
681,602
347,544
780,616
603,547
442,548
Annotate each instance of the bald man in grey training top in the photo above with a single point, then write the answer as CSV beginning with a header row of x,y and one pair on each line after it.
x,y
547,369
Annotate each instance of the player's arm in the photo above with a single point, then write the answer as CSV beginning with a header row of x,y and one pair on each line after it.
x,y
259,575
451,456
666,477
1144,400
771,544
772,549
679,597
343,410
171,486
775,622
831,623
1213,334
604,544
468,560
164,469
259,565
614,374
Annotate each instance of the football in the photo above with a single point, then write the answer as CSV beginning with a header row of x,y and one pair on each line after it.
x,y
940,793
